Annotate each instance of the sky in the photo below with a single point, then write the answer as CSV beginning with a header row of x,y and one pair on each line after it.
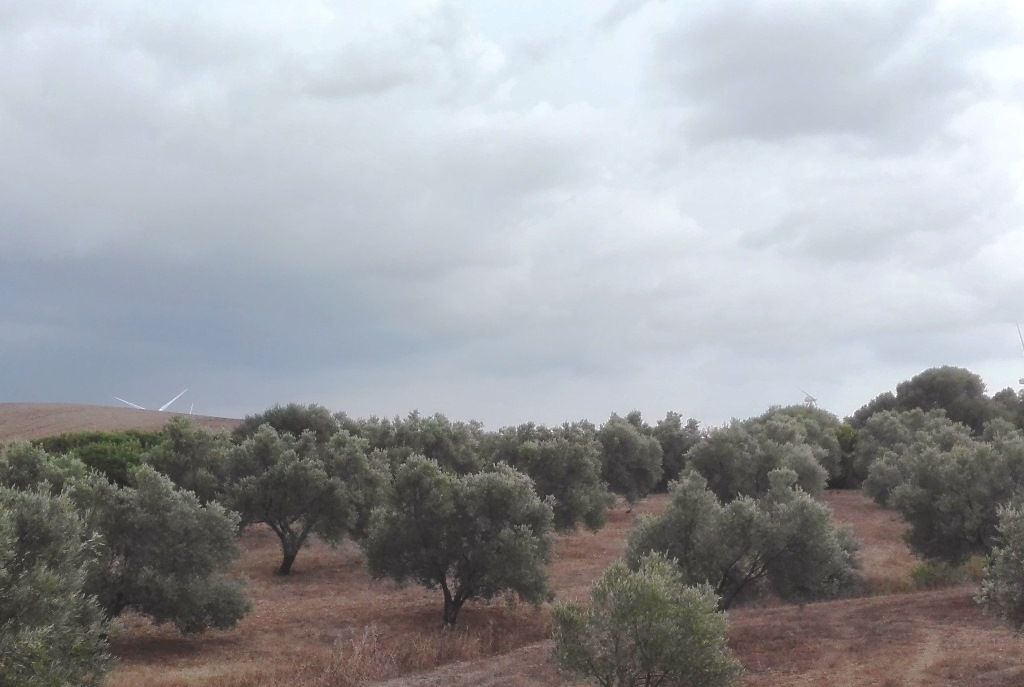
x,y
508,211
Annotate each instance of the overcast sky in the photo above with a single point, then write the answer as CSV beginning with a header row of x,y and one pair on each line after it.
x,y
507,211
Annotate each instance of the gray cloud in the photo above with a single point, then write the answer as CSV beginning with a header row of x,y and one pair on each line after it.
x,y
505,217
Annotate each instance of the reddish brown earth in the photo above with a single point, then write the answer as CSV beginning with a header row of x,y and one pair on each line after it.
x,y
330,625
38,420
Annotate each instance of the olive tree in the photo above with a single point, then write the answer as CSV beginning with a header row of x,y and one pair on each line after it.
x,y
631,459
895,432
51,631
192,458
293,418
24,466
645,627
676,439
472,536
784,541
298,487
456,446
565,466
1002,587
738,458
812,426
161,552
951,497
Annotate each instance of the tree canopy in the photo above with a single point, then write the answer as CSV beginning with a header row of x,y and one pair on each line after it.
x,y
784,541
631,458
644,627
472,536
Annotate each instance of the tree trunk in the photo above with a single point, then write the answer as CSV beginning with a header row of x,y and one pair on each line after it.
x,y
286,562
451,612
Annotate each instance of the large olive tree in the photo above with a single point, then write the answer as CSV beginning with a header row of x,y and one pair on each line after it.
x,y
472,536
299,486
645,627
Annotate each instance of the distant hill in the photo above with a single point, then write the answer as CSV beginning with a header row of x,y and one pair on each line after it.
x,y
37,420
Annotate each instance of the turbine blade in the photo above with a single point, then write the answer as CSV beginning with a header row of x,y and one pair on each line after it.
x,y
1021,337
191,407
129,403
168,404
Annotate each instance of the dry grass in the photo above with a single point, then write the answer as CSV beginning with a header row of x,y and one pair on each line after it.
x,y
37,420
330,625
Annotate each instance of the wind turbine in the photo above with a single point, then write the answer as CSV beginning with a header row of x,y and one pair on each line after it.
x,y
1021,336
161,408
809,401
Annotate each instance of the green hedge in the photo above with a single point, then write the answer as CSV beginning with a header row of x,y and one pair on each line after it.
x,y
114,454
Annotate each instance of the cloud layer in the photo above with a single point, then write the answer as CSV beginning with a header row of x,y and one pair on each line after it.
x,y
508,214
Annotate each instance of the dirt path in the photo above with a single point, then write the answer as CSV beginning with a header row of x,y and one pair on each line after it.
x,y
929,652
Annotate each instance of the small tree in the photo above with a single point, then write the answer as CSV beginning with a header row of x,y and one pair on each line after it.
x,y
784,541
1002,588
298,487
474,536
161,552
644,627
456,446
631,460
51,632
192,458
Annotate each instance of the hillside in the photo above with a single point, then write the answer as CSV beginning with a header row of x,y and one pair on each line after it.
x,y
37,420
331,625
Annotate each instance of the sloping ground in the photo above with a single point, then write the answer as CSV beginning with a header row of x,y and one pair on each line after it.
x,y
935,639
38,420
330,625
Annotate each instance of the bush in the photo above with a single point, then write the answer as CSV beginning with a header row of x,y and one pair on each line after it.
x,y
897,432
51,632
644,627
1002,588
474,536
24,466
114,454
784,541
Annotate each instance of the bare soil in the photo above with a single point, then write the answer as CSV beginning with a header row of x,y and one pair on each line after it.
x,y
37,420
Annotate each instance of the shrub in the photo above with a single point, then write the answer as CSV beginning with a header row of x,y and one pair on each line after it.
x,y
51,632
24,466
899,431
644,627
114,454
474,536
